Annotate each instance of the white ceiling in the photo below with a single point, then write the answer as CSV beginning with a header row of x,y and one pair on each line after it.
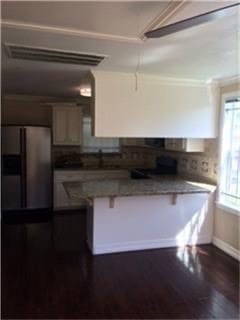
x,y
114,29
120,18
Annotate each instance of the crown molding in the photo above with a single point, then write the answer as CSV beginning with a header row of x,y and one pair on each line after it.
x,y
153,78
68,31
229,81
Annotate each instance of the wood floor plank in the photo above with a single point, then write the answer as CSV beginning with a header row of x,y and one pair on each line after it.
x,y
49,273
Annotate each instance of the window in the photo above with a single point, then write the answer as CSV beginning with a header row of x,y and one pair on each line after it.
x,y
229,190
92,144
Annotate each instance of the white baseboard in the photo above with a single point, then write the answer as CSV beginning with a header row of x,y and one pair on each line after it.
x,y
144,245
226,248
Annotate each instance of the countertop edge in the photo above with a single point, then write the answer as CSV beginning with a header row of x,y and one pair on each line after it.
x,y
202,189
137,194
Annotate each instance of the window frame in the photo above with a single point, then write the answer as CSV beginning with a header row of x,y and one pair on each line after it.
x,y
219,203
101,148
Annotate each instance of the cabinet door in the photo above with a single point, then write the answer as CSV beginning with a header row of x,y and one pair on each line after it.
x,y
171,144
74,126
61,199
60,126
180,144
175,144
194,145
168,144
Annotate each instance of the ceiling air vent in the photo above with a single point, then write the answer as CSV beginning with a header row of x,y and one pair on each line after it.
x,y
49,55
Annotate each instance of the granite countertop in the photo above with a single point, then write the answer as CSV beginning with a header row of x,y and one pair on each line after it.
x,y
129,187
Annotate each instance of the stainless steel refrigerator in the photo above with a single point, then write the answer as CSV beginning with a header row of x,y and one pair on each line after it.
x,y
26,168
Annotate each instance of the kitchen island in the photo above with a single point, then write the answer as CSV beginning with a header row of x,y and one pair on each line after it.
x,y
126,214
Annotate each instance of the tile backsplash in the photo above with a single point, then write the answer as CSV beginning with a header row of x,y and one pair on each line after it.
x,y
204,165
201,164
129,157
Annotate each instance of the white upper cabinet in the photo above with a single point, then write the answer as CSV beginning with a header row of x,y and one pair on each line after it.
x,y
75,125
149,106
185,145
60,125
67,125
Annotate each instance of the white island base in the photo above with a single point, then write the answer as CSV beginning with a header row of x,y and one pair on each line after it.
x,y
145,222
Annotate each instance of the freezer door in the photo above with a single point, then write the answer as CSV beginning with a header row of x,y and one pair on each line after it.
x,y
38,168
12,175
11,140
11,192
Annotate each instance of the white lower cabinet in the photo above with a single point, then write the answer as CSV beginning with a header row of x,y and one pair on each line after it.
x,y
149,222
61,199
185,145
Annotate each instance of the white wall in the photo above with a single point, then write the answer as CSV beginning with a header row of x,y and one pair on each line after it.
x,y
28,111
157,108
227,228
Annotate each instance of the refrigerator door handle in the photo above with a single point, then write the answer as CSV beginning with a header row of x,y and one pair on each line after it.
x,y
23,167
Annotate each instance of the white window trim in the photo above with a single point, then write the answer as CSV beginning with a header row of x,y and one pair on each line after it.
x,y
220,204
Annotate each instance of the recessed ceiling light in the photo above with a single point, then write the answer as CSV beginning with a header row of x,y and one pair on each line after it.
x,y
85,91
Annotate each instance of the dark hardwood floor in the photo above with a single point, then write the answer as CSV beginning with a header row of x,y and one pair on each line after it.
x,y
48,272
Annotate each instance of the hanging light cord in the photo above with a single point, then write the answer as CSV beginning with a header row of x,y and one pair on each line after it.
x,y
136,71
138,60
